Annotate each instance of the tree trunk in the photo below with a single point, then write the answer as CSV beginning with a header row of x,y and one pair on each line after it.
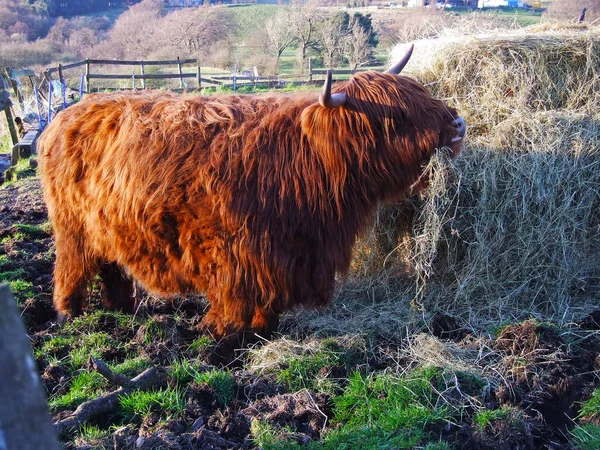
x,y
24,418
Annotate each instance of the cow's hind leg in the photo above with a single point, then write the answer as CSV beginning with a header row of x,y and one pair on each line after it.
x,y
118,290
265,322
72,272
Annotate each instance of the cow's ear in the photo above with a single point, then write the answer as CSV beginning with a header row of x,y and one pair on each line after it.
x,y
327,99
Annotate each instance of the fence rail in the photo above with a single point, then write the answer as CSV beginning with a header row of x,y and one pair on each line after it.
x,y
231,80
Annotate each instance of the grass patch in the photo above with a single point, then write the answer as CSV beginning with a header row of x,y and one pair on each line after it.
x,y
389,402
182,371
221,382
22,289
98,320
586,437
32,231
78,348
54,347
486,418
376,412
201,345
13,237
11,275
303,372
19,171
94,437
132,367
269,437
169,402
85,386
154,331
308,365
591,408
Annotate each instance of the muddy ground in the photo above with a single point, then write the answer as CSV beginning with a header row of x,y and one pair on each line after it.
x,y
542,372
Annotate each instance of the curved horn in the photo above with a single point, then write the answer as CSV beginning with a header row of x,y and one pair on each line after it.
x,y
400,64
328,100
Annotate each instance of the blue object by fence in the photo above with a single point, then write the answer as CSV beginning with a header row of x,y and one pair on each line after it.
x,y
39,108
81,84
50,93
63,86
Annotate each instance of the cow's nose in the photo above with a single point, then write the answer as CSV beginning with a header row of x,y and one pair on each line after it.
x,y
461,126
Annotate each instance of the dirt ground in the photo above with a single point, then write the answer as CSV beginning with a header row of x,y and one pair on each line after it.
x,y
544,375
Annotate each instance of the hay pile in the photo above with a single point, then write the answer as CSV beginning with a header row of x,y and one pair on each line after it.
x,y
511,228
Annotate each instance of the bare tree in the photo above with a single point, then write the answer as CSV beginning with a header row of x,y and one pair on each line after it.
x,y
357,46
279,34
302,20
195,30
130,33
331,34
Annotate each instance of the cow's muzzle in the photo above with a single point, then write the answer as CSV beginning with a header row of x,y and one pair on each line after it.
x,y
461,128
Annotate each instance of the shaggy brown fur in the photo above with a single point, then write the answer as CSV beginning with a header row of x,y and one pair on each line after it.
x,y
255,200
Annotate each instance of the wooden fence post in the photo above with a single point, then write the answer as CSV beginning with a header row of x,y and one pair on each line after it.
x,y
143,74
310,69
198,76
6,104
24,418
180,73
87,76
11,79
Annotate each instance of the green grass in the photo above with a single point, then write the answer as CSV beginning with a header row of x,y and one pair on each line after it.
x,y
83,387
92,432
19,171
591,408
154,332
32,231
79,349
522,17
11,275
391,403
5,144
93,344
182,371
99,320
376,412
303,371
22,289
586,437
169,402
249,18
221,382
132,367
486,418
437,446
13,237
54,347
202,344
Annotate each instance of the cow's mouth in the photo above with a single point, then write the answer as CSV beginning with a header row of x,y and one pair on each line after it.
x,y
458,128
461,129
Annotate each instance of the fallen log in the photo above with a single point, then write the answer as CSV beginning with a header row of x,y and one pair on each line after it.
x,y
149,379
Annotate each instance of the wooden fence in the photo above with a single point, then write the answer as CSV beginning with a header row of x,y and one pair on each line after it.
x,y
182,72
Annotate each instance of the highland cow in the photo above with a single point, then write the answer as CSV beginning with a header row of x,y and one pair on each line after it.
x,y
254,200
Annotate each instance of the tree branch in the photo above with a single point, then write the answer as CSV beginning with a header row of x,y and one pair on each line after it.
x,y
148,379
